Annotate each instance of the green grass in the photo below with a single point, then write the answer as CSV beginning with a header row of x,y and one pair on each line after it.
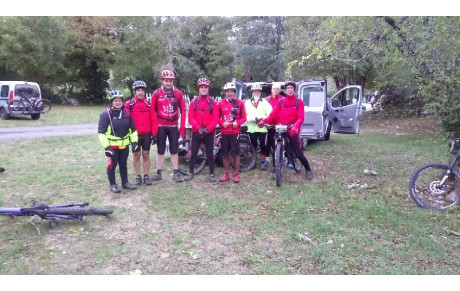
x,y
247,228
59,114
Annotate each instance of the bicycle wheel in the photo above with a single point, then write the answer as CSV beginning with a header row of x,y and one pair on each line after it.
x,y
43,106
428,191
27,104
200,162
19,106
278,163
247,154
80,211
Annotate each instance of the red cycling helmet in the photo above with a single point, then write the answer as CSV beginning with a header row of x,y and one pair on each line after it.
x,y
167,74
203,82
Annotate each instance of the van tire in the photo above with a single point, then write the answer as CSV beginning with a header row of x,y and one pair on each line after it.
x,y
304,143
35,116
327,135
3,114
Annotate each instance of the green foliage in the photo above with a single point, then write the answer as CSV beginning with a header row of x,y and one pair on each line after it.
x,y
137,54
258,46
90,53
32,48
345,48
431,46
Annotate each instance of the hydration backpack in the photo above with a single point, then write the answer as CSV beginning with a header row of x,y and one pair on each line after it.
x,y
296,102
209,103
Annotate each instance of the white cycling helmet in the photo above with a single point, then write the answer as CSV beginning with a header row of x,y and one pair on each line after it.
x,y
115,94
276,85
256,87
230,86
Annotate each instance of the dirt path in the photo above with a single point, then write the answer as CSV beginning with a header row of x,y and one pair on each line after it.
x,y
28,132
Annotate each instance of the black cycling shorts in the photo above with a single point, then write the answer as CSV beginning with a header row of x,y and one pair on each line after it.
x,y
145,140
229,144
172,133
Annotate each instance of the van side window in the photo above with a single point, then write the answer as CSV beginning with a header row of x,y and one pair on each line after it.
x,y
4,92
311,98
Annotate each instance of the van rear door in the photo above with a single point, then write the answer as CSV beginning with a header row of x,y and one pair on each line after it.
x,y
313,94
346,108
240,90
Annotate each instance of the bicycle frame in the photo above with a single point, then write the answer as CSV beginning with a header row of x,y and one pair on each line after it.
x,y
451,166
41,210
280,137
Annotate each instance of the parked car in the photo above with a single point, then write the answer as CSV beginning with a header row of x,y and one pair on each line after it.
x,y
340,112
11,93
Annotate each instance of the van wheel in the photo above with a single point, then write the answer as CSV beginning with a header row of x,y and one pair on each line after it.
x,y
304,143
3,114
35,116
328,131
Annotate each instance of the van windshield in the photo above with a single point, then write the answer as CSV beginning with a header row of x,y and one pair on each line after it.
x,y
26,90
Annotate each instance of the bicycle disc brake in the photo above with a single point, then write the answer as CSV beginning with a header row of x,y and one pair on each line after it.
x,y
437,188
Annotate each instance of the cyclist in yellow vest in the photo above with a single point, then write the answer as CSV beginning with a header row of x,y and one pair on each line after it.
x,y
116,131
256,110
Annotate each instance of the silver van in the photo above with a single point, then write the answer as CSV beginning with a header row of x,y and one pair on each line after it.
x,y
341,112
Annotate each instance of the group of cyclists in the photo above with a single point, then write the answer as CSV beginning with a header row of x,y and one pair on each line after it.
x,y
140,123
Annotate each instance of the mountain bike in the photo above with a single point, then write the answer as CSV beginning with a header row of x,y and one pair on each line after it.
x,y
283,153
32,104
185,152
436,186
54,212
247,153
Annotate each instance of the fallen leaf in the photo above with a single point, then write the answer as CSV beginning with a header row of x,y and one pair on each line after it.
x,y
135,272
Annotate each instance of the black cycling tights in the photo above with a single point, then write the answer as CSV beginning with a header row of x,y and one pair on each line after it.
x,y
295,146
119,157
208,141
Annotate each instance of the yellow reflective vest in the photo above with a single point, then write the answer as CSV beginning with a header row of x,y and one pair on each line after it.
x,y
123,132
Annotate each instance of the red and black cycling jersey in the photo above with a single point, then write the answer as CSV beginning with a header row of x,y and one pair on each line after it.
x,y
230,111
289,112
167,108
203,112
140,113
273,100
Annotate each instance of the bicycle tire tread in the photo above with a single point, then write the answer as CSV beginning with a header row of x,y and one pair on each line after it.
x,y
79,211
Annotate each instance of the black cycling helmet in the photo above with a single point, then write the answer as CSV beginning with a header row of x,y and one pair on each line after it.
x,y
139,84
289,83
115,94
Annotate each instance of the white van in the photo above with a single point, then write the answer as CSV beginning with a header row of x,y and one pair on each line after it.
x,y
11,93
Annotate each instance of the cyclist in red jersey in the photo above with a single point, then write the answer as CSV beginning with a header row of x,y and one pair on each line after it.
x,y
168,106
290,111
232,115
203,116
139,108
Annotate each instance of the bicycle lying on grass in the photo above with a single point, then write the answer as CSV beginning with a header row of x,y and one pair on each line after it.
x,y
436,186
55,212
